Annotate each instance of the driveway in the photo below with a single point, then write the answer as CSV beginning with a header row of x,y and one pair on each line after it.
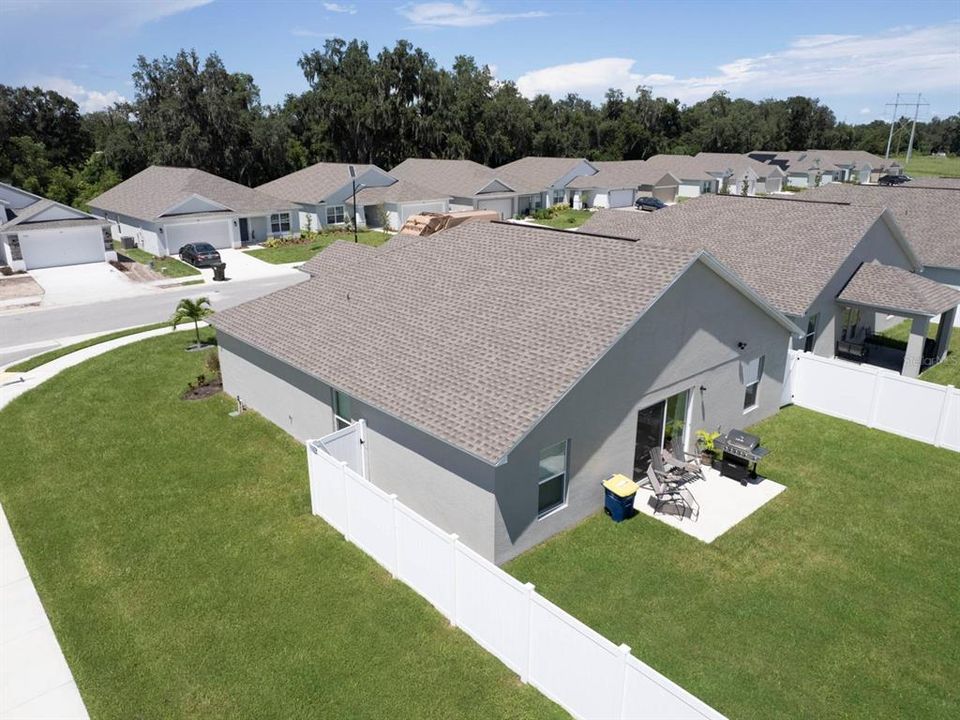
x,y
241,266
77,284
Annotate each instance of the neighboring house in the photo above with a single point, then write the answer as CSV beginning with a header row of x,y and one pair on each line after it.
x,y
469,185
325,195
165,208
619,183
810,168
929,217
695,179
38,233
541,182
800,256
503,371
734,170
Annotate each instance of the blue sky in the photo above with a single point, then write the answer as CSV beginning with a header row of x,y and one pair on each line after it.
x,y
855,56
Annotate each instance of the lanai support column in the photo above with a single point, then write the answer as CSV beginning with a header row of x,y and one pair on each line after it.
x,y
913,360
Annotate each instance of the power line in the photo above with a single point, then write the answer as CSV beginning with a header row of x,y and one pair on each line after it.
x,y
898,124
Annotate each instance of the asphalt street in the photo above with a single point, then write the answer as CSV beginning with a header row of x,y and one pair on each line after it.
x,y
28,332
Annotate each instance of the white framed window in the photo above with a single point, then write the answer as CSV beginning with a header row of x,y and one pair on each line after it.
x,y
752,371
552,482
810,339
342,410
559,197
336,215
280,223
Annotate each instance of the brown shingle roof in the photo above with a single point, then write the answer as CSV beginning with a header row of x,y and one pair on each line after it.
x,y
929,217
448,178
313,184
399,192
536,174
158,188
618,174
22,221
340,254
896,289
951,183
471,334
785,250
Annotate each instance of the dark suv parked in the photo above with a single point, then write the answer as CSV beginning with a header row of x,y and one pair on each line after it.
x,y
893,180
650,204
200,254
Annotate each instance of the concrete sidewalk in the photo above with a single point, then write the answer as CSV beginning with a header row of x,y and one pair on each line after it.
x,y
35,680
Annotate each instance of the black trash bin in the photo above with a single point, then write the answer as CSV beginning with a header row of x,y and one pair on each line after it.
x,y
220,271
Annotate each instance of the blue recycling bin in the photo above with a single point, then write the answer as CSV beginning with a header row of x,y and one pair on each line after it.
x,y
619,492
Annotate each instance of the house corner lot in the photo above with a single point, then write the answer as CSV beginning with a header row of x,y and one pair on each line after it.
x,y
497,414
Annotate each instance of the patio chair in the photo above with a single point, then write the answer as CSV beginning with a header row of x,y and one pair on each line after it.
x,y
679,497
686,463
678,476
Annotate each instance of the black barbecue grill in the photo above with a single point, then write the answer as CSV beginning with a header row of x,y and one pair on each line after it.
x,y
741,453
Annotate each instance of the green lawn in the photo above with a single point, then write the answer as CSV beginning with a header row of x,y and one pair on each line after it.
x,y
301,252
43,358
837,600
564,219
930,165
174,550
169,266
946,372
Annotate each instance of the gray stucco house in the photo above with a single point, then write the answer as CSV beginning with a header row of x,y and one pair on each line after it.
x,y
800,256
164,208
503,371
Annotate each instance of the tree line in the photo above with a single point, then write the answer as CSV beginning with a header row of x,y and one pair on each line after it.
x,y
382,109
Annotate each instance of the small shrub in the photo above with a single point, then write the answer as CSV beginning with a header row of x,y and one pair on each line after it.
x,y
212,363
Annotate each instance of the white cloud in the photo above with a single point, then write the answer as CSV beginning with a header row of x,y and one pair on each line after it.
x,y
865,111
927,58
338,8
470,13
298,32
88,100
100,13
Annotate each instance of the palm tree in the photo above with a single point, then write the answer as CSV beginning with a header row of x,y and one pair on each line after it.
x,y
195,310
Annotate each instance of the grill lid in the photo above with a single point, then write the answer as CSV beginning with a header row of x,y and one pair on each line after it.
x,y
741,439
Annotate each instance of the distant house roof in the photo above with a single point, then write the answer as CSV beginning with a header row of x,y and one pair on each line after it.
x,y
897,290
451,178
685,167
339,255
947,183
399,192
737,164
38,216
786,250
150,193
805,161
929,217
313,184
619,174
476,369
536,174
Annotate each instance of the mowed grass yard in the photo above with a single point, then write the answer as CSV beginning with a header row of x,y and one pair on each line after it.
x,y
839,599
565,219
303,251
168,266
174,550
945,372
932,166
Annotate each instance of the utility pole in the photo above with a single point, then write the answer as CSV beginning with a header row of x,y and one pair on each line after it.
x,y
913,130
893,121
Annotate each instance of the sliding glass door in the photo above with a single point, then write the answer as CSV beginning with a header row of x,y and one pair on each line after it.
x,y
662,425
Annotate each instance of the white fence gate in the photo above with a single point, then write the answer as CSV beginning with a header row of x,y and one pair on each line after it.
x,y
567,661
877,398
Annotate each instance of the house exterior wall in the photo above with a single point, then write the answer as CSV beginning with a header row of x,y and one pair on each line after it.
x,y
687,340
451,488
947,276
878,243
799,180
144,233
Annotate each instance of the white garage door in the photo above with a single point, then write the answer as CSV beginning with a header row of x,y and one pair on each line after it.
x,y
504,207
70,246
412,209
217,233
621,198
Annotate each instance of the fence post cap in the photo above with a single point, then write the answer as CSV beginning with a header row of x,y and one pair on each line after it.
x,y
624,648
530,586
454,537
392,496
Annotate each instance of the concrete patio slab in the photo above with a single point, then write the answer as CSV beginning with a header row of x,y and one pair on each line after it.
x,y
35,680
723,503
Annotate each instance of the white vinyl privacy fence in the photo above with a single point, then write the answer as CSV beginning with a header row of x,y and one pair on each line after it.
x,y
567,661
876,398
